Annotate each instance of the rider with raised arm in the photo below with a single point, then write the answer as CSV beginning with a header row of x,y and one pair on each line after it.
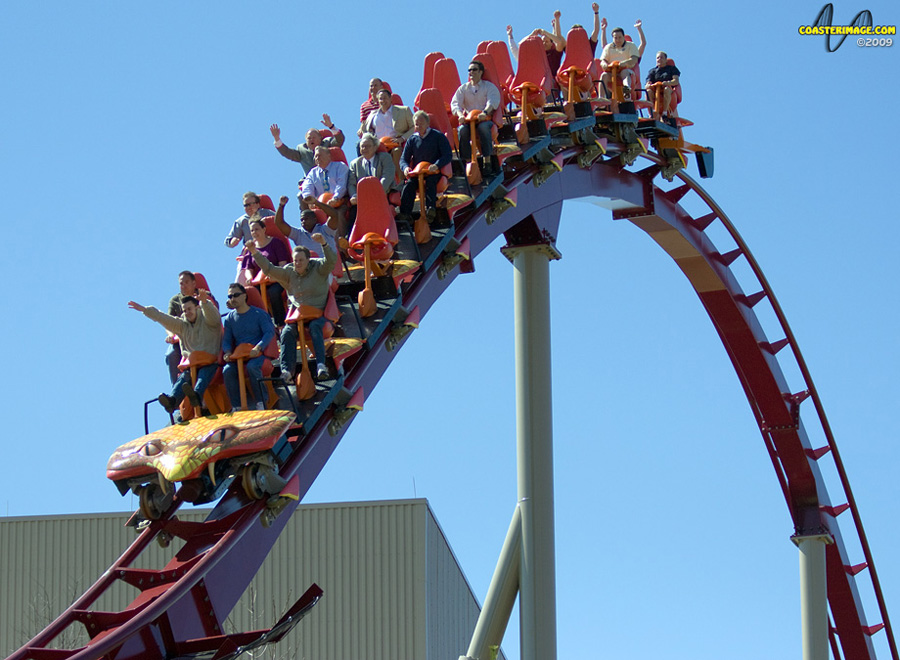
x,y
304,153
307,282
622,53
309,224
198,328
554,42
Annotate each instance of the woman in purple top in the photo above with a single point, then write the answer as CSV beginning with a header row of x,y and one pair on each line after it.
x,y
277,253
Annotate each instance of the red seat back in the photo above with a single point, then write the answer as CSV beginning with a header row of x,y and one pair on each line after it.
x,y
578,56
491,75
635,76
201,282
533,69
431,101
446,79
254,297
676,93
500,52
332,311
266,202
482,47
273,231
373,213
200,279
428,75
338,154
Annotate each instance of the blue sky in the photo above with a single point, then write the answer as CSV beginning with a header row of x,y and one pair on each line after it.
x,y
132,129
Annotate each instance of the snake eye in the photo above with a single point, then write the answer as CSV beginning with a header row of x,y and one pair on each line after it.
x,y
220,436
152,448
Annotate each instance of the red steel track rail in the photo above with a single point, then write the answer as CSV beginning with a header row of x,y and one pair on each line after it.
x,y
190,597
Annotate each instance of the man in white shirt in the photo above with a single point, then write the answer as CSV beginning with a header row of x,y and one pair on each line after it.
x,y
391,124
625,53
476,94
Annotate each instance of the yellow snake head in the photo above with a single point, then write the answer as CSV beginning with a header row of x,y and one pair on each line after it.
x,y
182,450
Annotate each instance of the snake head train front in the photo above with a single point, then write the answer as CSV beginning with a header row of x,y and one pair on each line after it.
x,y
205,454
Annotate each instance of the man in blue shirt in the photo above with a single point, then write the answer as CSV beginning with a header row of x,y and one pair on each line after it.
x,y
328,176
245,325
426,145
240,229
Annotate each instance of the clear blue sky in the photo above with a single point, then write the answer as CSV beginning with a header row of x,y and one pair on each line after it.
x,y
130,131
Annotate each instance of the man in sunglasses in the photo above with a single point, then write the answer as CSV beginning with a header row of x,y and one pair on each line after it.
x,y
245,325
476,94
240,230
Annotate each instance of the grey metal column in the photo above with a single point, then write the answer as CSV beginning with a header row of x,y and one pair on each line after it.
x,y
813,595
501,595
534,447
528,559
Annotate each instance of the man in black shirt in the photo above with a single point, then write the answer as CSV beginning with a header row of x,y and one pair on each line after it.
x,y
662,79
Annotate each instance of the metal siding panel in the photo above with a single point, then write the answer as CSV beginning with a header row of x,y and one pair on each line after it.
x,y
384,598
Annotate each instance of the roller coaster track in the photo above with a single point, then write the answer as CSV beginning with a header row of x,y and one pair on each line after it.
x,y
181,608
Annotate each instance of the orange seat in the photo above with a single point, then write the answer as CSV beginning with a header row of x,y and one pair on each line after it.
x,y
240,354
215,397
373,237
375,220
531,84
420,228
306,387
575,75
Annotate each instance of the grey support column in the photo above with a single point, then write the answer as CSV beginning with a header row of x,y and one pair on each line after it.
x,y
813,595
534,445
527,563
